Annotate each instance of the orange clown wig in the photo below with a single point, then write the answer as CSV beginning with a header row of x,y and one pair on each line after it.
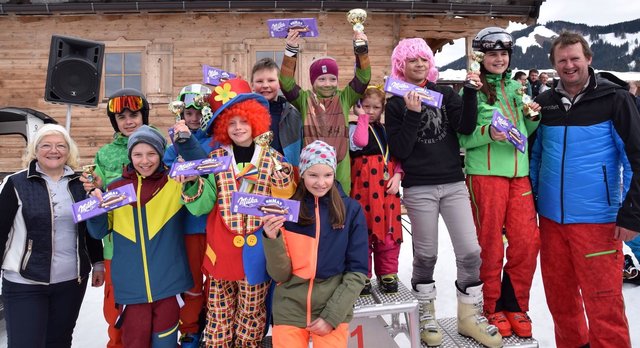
x,y
253,111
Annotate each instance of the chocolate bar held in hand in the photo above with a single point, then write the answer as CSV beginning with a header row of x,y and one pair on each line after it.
x,y
514,136
400,88
113,199
213,76
200,167
259,205
279,27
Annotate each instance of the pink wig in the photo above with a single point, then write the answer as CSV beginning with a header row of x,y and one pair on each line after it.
x,y
409,49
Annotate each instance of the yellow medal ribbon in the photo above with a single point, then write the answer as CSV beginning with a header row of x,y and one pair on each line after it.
x,y
385,153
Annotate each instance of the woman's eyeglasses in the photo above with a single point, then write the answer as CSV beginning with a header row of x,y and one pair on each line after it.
x,y
49,147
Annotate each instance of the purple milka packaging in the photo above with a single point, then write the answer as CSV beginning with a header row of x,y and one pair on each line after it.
x,y
171,133
200,167
514,136
400,88
214,76
279,27
112,199
259,205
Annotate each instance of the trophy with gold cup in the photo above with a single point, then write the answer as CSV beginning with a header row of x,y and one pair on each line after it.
x,y
476,58
88,169
265,140
526,101
177,107
357,17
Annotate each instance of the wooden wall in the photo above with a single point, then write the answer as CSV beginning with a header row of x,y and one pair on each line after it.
x,y
174,48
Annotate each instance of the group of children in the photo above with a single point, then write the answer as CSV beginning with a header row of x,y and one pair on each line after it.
x,y
310,273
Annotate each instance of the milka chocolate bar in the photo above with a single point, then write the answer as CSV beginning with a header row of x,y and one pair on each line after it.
x,y
259,205
279,27
400,88
214,76
200,167
113,199
514,136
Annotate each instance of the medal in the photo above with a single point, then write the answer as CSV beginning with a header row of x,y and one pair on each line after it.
x,y
384,152
252,240
238,241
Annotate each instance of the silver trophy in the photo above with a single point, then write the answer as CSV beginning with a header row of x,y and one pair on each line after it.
x,y
177,107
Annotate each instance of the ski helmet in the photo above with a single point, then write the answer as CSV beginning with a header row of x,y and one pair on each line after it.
x,y
127,98
492,39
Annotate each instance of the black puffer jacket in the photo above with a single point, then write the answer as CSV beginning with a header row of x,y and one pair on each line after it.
x,y
26,230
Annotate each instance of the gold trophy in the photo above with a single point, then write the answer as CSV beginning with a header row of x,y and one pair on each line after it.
x,y
201,100
357,17
526,101
265,140
177,107
476,58
89,168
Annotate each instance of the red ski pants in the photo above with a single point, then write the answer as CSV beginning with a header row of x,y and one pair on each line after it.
x,y
581,268
109,309
152,324
383,255
499,202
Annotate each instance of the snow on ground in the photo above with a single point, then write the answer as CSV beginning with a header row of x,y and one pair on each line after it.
x,y
91,329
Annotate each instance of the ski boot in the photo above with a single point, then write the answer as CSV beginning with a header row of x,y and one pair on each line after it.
x,y
499,320
471,322
430,332
520,323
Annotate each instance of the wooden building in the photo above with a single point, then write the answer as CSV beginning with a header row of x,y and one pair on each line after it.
x,y
162,45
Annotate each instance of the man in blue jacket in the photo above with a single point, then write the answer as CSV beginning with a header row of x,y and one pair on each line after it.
x,y
590,131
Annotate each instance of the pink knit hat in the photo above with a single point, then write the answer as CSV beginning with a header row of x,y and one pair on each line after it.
x,y
321,66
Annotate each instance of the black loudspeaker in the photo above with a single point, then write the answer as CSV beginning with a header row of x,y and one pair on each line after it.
x,y
74,72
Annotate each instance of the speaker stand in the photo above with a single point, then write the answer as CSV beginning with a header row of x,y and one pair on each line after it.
x,y
68,124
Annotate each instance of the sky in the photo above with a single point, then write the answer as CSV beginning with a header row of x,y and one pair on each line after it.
x,y
591,12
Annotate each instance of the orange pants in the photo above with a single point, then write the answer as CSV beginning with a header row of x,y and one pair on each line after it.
x,y
295,337
111,312
581,268
497,202
195,245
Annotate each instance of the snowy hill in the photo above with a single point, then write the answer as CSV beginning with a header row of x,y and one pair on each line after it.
x,y
616,47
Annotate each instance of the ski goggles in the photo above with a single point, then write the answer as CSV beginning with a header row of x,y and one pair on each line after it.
x,y
132,102
496,41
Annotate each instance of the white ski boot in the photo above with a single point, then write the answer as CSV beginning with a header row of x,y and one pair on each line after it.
x,y
471,322
430,333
